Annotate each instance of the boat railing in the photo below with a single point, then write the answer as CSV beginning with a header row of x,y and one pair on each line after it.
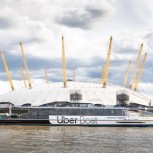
x,y
76,107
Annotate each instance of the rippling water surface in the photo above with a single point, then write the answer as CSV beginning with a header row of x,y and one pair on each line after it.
x,y
37,139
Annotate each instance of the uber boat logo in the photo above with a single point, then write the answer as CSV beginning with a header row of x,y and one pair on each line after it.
x,y
73,119
62,119
88,120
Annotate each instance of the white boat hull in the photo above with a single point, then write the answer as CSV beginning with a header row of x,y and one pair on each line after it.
x,y
100,120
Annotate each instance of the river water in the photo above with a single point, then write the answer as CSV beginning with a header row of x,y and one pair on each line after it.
x,y
39,139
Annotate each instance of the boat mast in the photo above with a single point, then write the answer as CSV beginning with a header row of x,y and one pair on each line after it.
x,y
64,64
7,71
23,76
135,68
107,64
126,74
26,66
140,73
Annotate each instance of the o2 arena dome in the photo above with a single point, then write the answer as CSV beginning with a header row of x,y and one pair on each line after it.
x,y
98,93
83,92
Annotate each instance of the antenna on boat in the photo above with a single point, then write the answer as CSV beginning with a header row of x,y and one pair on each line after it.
x,y
7,71
23,76
64,64
135,68
126,74
25,66
46,76
106,70
140,73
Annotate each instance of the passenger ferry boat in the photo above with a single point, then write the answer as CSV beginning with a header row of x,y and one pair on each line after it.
x,y
76,114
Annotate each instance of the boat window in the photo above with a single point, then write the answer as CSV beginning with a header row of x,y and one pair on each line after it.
x,y
26,105
83,105
146,113
99,105
83,111
14,116
90,105
19,111
88,112
94,111
56,104
4,111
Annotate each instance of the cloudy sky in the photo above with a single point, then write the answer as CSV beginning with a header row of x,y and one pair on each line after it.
x,y
87,27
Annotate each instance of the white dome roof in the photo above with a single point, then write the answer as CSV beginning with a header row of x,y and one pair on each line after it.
x,y
51,92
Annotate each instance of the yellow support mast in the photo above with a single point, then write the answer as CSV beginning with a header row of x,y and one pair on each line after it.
x,y
126,74
25,66
7,71
23,76
140,73
107,64
46,76
64,64
135,68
